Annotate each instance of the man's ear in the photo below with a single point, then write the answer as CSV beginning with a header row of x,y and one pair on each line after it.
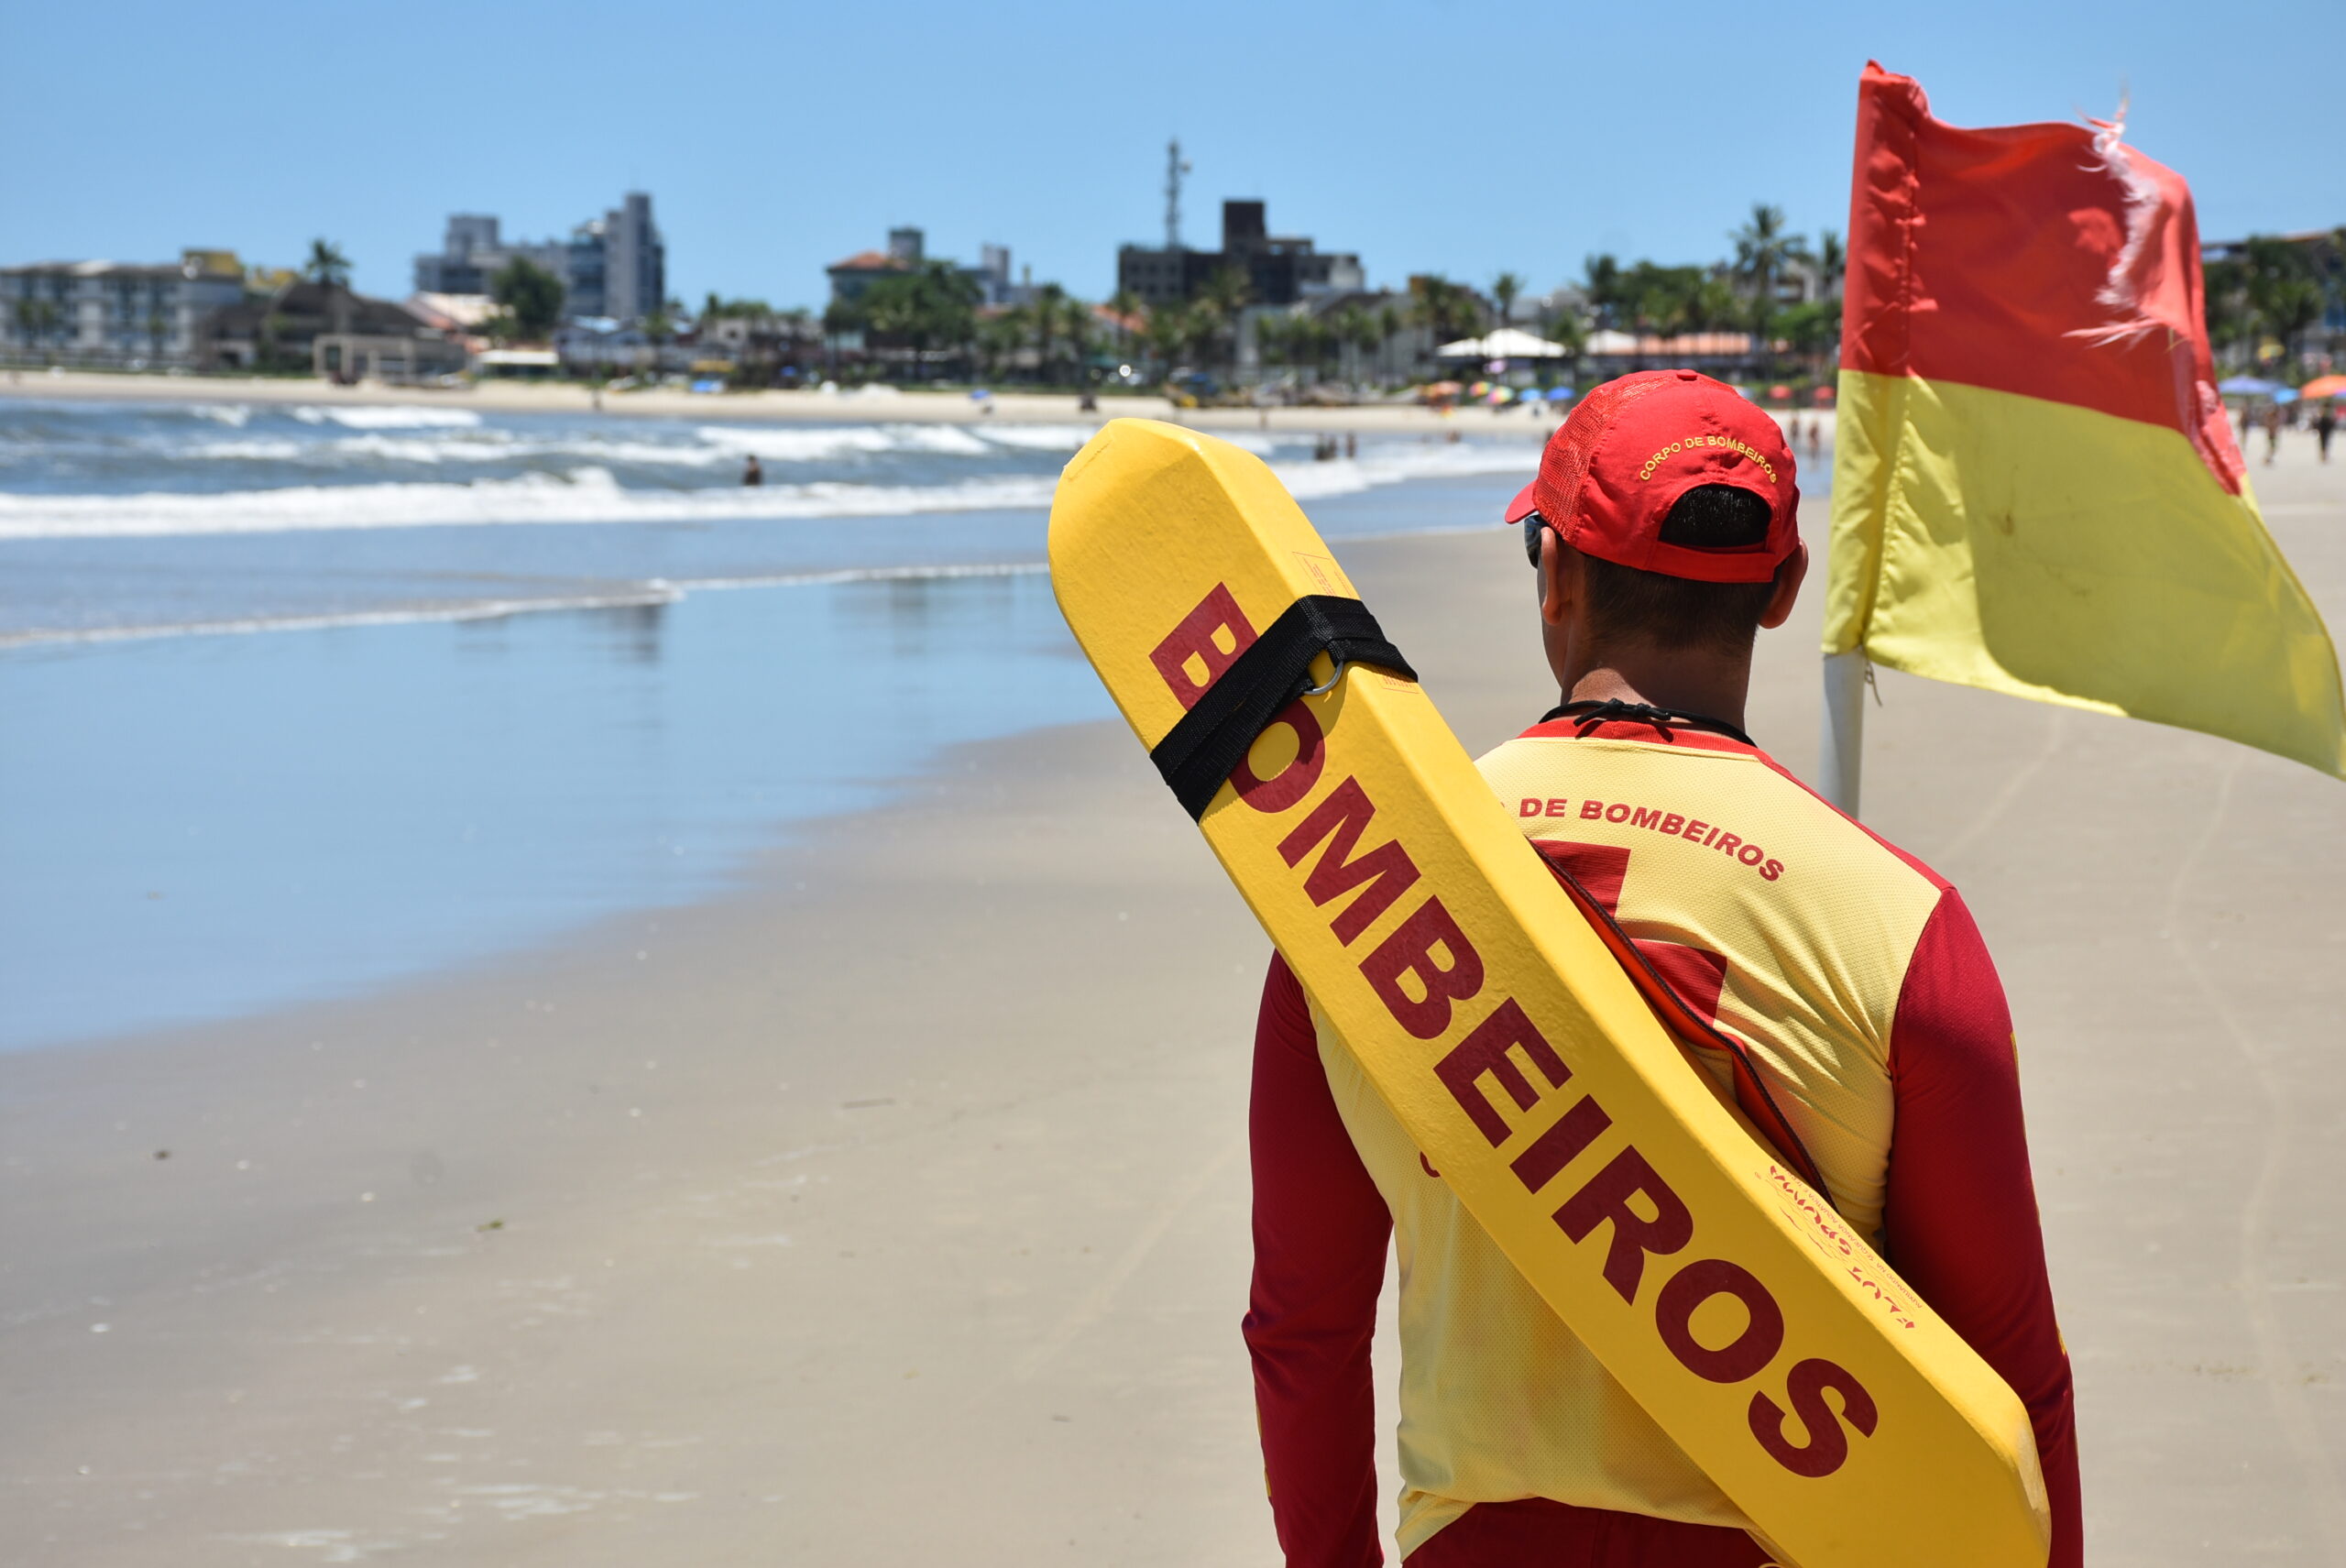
x,y
1558,578
1788,581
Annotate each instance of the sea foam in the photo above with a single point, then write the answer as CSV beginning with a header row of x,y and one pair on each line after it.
x,y
588,492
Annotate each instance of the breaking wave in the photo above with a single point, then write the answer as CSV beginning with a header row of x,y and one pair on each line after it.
x,y
592,494
588,495
385,416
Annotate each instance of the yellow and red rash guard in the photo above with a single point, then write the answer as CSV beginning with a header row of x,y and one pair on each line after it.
x,y
1860,985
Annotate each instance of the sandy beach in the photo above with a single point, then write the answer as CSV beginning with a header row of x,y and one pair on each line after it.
x,y
891,1208
888,404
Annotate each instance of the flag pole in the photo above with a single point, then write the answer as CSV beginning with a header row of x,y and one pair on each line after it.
x,y
1840,750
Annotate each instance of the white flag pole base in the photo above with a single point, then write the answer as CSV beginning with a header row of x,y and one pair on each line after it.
x,y
1840,752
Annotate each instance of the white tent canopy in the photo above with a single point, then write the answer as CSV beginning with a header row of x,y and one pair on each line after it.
x,y
1507,343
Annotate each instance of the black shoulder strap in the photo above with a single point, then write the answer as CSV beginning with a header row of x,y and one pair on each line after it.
x,y
1198,753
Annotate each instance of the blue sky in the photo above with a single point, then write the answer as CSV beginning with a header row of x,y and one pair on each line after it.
x,y
1459,137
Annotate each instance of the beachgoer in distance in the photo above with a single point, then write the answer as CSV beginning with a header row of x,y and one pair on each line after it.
x,y
1852,974
750,473
2272,432
2324,424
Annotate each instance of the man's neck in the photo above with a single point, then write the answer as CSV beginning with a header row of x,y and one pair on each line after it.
x,y
1714,687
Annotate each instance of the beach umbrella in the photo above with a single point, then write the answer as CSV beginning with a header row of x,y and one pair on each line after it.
x,y
2284,394
2324,387
2247,387
1500,396
1514,343
1560,394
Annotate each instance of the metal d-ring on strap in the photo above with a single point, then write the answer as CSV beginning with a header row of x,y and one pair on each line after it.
x,y
1211,741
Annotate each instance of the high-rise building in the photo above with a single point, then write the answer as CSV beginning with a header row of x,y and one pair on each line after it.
x,y
1279,270
635,264
612,265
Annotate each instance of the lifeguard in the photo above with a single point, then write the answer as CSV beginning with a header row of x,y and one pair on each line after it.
x,y
1845,974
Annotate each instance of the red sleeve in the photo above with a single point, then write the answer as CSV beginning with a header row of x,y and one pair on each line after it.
x,y
1961,1217
1320,1234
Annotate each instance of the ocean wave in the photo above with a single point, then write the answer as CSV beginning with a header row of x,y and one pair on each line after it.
x,y
708,446
1376,468
588,495
1068,438
431,449
385,416
591,494
782,445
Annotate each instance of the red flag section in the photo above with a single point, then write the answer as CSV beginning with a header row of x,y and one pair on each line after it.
x,y
2050,261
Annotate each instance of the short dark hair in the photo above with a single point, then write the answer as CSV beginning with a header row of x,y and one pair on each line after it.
x,y
1626,604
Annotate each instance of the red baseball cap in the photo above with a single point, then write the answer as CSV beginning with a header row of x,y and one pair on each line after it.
x,y
1634,446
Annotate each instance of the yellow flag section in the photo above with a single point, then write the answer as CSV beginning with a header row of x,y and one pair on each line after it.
x,y
1785,1358
2035,487
2058,553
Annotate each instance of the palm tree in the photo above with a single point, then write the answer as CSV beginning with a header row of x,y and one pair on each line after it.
x,y
1355,330
1506,288
1127,308
1318,342
1831,260
1219,305
1166,332
330,269
1077,325
327,265
1043,316
1601,281
1447,309
1763,249
1569,328
1274,335
1000,338
1388,327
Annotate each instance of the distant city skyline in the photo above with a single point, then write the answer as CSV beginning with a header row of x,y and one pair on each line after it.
x,y
1461,138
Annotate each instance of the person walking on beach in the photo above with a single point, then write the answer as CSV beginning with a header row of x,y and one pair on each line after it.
x,y
1662,535
2324,424
2272,432
750,473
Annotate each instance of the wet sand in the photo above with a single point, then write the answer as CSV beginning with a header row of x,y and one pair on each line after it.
x,y
893,1210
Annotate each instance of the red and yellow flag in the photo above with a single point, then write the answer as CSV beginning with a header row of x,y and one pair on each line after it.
x,y
2037,490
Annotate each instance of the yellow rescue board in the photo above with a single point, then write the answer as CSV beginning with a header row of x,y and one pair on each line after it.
x,y
1851,1425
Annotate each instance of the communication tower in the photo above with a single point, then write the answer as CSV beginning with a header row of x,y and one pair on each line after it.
x,y
1174,168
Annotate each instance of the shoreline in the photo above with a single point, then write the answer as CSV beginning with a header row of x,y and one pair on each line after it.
x,y
908,407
